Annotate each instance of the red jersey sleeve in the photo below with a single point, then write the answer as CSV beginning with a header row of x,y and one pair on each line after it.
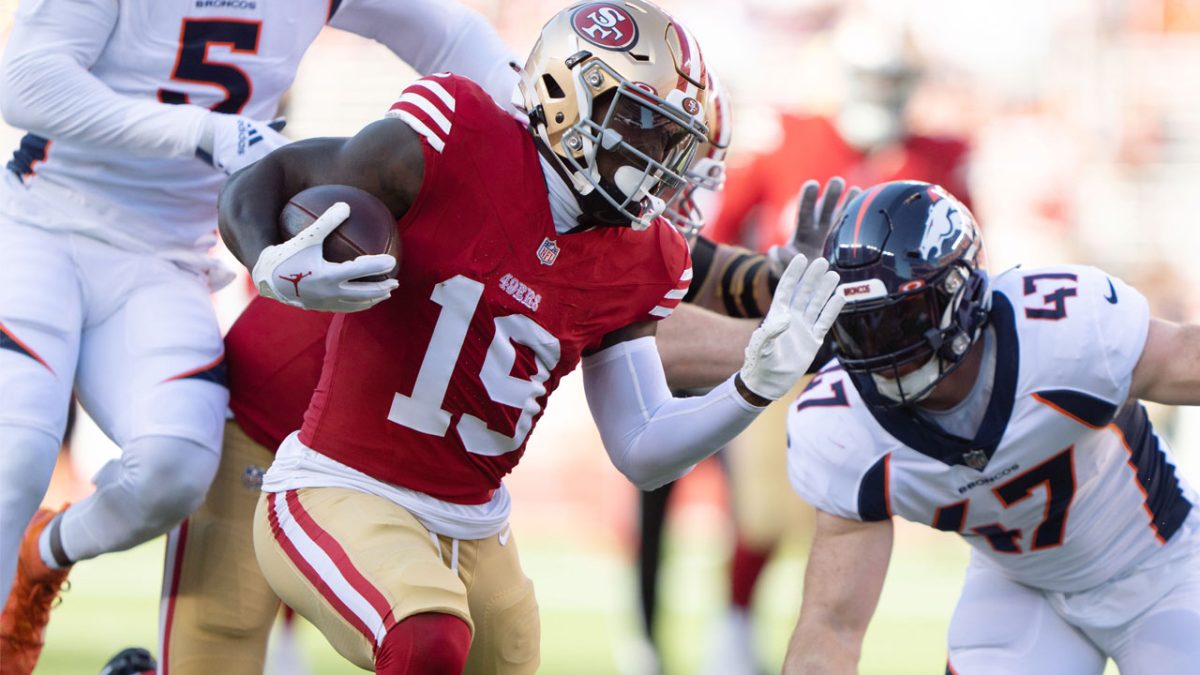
x,y
428,107
677,266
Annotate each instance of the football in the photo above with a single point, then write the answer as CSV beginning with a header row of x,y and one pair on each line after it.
x,y
370,229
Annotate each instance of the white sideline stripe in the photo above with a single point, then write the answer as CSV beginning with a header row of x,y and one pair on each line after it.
x,y
661,311
418,126
315,556
428,107
687,275
438,90
676,294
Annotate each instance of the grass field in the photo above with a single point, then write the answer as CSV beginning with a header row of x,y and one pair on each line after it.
x,y
587,603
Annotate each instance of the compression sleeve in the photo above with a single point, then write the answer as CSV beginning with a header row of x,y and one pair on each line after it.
x,y
650,436
47,88
434,36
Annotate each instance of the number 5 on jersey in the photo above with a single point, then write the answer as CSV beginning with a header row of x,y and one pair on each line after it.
x,y
422,410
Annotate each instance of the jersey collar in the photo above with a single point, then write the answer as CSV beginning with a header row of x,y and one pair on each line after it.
x,y
929,440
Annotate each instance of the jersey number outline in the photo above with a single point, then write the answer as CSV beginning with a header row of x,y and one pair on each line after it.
x,y
1057,298
1057,474
837,399
192,64
422,409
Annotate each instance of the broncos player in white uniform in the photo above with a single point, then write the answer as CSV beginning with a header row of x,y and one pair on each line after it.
x,y
137,111
1007,410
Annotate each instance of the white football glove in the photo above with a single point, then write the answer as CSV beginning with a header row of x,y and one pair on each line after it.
x,y
817,215
783,347
296,272
233,142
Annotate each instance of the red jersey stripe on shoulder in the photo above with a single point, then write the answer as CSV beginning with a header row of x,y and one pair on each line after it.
x,y
426,105
419,122
434,88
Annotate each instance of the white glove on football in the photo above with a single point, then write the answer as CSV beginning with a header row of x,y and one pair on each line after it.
x,y
296,272
233,142
783,347
817,215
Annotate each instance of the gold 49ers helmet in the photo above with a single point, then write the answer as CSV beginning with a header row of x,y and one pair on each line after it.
x,y
707,171
616,94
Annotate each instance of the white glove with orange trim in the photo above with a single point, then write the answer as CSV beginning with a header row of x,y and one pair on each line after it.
x,y
296,272
783,347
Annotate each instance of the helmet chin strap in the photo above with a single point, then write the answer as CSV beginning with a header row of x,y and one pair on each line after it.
x,y
896,389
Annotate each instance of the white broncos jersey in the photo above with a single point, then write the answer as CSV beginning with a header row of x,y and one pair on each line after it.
x,y
1064,486
90,80
232,56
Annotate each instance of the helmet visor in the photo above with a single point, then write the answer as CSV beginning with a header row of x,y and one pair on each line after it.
x,y
879,334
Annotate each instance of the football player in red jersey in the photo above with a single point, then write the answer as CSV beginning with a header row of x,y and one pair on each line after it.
x,y
107,215
219,619
526,249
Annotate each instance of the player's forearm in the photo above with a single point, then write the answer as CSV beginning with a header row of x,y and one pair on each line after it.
x,y
48,89
731,280
248,209
819,649
650,436
700,348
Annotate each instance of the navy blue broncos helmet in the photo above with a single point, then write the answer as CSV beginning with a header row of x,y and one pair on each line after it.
x,y
917,297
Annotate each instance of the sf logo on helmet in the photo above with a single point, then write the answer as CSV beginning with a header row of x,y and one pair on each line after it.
x,y
605,25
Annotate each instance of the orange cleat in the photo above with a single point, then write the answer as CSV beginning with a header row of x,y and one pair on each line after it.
x,y
23,623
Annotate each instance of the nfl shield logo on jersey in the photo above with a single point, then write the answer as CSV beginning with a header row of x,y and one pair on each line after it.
x,y
548,252
976,459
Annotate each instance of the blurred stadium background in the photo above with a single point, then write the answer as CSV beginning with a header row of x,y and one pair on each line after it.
x,y
1085,135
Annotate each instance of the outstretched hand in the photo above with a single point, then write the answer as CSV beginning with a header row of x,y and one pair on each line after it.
x,y
818,212
802,312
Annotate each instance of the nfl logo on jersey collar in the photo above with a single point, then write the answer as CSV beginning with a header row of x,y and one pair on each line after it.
x,y
976,459
547,253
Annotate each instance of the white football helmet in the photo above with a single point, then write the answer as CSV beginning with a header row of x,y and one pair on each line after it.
x,y
616,95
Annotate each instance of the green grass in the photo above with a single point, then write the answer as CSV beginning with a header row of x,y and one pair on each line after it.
x,y
586,597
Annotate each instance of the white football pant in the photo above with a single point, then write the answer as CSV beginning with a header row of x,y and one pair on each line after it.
x,y
136,337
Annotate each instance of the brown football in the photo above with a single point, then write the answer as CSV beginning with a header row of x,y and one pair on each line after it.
x,y
370,229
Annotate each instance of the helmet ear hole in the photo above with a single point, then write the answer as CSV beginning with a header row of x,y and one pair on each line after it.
x,y
553,90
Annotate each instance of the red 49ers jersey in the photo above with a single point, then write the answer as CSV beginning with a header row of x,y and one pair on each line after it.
x,y
438,388
274,354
